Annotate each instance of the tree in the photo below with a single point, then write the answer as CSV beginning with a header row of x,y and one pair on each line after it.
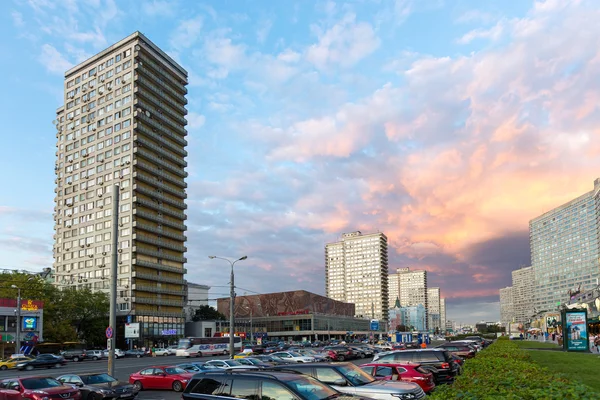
x,y
204,313
401,328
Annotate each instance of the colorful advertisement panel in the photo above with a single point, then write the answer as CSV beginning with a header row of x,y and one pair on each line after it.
x,y
576,331
29,323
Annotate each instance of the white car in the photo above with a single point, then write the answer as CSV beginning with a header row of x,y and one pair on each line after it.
x,y
172,350
229,364
159,351
118,353
193,351
293,356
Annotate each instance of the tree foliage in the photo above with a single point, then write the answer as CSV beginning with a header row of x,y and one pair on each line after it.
x,y
205,313
69,314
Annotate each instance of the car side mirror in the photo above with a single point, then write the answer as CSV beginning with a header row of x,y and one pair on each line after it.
x,y
79,384
340,382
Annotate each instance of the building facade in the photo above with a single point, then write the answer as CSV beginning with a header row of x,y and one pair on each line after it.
x,y
523,287
434,309
123,123
507,312
356,271
197,295
414,317
32,324
442,314
565,249
412,287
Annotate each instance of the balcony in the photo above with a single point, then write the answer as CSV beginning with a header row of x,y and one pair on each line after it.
x,y
161,87
158,313
160,267
159,254
158,278
158,207
179,138
155,160
164,102
143,142
158,69
157,242
163,186
161,134
155,171
161,140
159,196
158,302
138,103
154,289
157,218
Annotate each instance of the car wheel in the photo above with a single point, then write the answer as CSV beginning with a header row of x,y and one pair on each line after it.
x,y
362,355
29,368
166,354
95,358
75,358
138,386
4,368
57,365
199,354
341,358
177,386
138,356
94,396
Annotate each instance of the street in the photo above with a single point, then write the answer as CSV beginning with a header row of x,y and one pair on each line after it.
x,y
123,368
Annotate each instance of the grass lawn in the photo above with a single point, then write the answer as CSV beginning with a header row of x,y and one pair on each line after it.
x,y
525,344
581,367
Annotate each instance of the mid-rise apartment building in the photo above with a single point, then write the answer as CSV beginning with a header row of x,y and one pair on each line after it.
x,y
565,249
433,309
356,271
442,314
507,312
412,288
123,122
523,287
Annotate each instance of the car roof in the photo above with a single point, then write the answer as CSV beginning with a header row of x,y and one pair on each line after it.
x,y
20,378
250,373
390,364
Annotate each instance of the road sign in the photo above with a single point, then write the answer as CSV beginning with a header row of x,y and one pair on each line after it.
x,y
374,325
129,319
109,332
132,331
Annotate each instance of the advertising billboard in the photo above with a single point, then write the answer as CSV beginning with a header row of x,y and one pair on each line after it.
x,y
29,323
575,332
132,331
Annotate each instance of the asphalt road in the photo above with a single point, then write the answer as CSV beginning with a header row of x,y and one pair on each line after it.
x,y
123,368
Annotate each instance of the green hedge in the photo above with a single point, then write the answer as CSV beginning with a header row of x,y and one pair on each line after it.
x,y
465,335
504,371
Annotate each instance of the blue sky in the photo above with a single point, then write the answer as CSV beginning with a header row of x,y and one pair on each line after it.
x,y
446,125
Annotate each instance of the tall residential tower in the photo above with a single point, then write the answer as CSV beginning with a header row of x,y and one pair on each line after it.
x,y
123,122
356,271
412,288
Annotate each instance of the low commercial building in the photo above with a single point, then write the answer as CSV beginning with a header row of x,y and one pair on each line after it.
x,y
32,324
294,315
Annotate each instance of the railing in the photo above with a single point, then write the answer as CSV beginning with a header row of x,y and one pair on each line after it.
x,y
159,254
161,208
151,193
176,83
178,137
155,171
167,105
172,125
157,242
176,95
161,267
175,147
152,158
162,151
159,302
154,289
159,219
158,278
151,181
159,313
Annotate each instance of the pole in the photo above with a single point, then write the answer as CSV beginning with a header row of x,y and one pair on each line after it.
x,y
251,332
231,319
113,279
18,341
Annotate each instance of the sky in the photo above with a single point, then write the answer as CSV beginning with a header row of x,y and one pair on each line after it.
x,y
447,125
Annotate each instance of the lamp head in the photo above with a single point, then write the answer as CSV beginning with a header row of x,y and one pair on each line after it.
x,y
14,286
243,258
211,257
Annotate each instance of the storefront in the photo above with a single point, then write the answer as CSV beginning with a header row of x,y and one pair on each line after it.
x,y
150,331
31,324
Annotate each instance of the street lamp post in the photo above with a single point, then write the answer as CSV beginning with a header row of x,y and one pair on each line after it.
x,y
231,301
18,341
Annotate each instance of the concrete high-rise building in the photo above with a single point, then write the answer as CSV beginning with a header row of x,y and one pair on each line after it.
x,y
442,314
565,249
123,122
412,288
507,311
523,286
433,309
356,271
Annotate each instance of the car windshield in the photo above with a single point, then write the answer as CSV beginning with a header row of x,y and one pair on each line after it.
x,y
232,363
97,378
174,371
357,376
40,383
311,388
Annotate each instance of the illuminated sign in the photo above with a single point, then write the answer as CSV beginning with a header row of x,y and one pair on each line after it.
x,y
29,323
166,332
29,305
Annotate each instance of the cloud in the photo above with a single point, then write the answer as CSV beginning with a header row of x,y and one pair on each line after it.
x,y
195,120
160,8
344,44
53,60
493,33
186,33
17,18
263,30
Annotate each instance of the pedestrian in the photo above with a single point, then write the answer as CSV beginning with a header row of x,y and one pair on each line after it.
x,y
423,345
597,343
153,351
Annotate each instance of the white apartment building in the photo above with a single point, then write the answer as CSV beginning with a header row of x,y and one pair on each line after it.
x,y
412,287
565,249
356,271
507,311
523,287
442,313
434,309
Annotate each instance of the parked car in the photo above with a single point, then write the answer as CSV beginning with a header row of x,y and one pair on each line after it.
x,y
118,353
10,363
159,351
172,350
293,356
254,362
244,354
404,372
99,386
272,359
74,354
271,385
459,349
439,361
42,361
348,378
229,364
94,354
135,353
196,367
194,351
319,357
9,394
41,388
479,340
340,353
160,377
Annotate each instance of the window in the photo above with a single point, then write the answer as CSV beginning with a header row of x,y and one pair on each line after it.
x,y
210,386
244,389
275,391
328,375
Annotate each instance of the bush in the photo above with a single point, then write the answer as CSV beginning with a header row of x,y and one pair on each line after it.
x,y
505,371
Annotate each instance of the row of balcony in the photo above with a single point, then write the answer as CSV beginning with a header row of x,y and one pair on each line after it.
x,y
153,158
159,196
159,219
164,102
157,172
175,81
167,88
160,267
158,313
154,229
159,136
155,289
158,278
154,124
151,113
158,302
156,183
139,237
159,254
143,142
165,210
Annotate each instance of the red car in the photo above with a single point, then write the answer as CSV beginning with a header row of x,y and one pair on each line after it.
x,y
40,387
398,346
404,372
161,377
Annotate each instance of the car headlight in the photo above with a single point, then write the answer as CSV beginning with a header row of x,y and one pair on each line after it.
x,y
106,391
21,365
405,396
184,380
